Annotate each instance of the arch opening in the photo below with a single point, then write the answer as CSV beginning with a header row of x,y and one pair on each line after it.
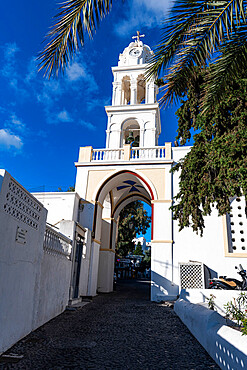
x,y
113,196
125,91
141,89
133,249
131,133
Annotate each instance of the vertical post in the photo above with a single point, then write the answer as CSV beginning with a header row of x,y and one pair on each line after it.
x,y
85,154
168,150
133,89
127,152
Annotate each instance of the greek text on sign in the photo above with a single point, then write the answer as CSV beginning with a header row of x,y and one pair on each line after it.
x,y
21,235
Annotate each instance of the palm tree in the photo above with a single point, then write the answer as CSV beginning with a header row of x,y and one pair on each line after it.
x,y
196,33
202,33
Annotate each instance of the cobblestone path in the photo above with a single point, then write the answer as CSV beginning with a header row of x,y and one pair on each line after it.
x,y
120,330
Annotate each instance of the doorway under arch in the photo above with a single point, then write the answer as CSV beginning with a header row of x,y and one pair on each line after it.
x,y
113,194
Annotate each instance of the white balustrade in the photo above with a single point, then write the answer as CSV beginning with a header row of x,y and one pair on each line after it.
x,y
107,155
103,155
157,152
56,243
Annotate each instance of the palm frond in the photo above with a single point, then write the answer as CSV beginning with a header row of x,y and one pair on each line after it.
x,y
192,39
232,63
67,34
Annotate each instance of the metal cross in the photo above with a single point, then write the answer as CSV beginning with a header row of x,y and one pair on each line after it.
x,y
138,36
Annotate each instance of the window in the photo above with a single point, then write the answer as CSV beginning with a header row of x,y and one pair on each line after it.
x,y
236,225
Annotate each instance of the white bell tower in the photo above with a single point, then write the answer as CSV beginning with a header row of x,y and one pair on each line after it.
x,y
134,110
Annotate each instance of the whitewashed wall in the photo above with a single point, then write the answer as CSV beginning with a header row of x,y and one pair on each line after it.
x,y
54,288
208,249
60,205
54,279
34,282
67,211
20,257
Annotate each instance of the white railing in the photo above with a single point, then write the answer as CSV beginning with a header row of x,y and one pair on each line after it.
x,y
157,152
107,155
100,155
56,243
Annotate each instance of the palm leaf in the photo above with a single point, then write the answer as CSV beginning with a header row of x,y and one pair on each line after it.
x,y
67,34
192,39
232,63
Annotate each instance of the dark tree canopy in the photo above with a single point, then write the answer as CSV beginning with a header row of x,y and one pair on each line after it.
x,y
215,169
136,214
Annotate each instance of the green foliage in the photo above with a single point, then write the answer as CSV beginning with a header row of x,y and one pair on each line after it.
x,y
146,262
135,213
215,169
138,250
211,302
237,310
147,258
70,189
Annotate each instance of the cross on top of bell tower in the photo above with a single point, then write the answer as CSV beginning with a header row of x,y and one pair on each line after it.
x,y
138,36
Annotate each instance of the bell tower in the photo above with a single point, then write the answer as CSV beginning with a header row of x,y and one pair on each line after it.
x,y
134,113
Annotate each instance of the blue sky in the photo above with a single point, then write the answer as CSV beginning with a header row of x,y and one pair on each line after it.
x,y
44,122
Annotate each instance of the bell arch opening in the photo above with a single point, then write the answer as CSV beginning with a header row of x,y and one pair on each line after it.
x,y
141,89
131,133
125,91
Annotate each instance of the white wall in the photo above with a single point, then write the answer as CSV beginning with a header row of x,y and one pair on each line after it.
x,y
34,283
20,267
208,249
228,347
54,287
60,205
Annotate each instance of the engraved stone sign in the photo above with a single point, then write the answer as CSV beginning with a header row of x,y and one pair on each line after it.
x,y
21,235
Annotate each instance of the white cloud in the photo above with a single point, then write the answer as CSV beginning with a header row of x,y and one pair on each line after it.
x,y
88,125
79,82
48,93
143,13
76,71
16,123
79,71
64,116
10,70
97,102
8,140
32,70
10,49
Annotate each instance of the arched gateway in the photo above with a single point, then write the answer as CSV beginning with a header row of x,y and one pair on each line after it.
x,y
133,166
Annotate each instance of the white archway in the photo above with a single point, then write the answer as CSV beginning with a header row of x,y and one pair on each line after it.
x,y
116,191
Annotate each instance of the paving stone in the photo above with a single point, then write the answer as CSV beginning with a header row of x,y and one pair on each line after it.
x,y
119,330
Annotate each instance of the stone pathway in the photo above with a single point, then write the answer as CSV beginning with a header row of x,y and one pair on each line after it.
x,y
120,330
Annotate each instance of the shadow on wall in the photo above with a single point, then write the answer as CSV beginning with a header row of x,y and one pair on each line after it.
x,y
162,289
228,356
225,345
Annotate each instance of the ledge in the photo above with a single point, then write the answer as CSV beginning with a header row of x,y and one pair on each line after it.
x,y
124,163
227,346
